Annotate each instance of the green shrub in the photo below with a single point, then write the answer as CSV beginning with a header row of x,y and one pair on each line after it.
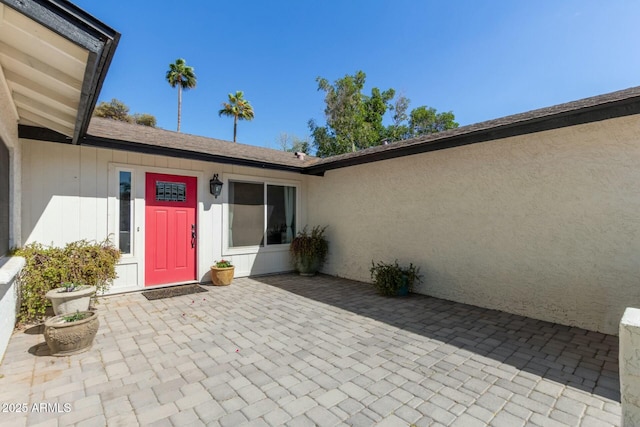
x,y
389,278
47,267
310,245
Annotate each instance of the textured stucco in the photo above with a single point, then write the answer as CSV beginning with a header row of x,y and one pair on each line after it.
x,y
546,225
630,367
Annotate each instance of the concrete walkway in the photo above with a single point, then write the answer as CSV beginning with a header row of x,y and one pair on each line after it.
x,y
286,350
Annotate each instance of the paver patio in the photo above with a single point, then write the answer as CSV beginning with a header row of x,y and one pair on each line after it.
x,y
287,350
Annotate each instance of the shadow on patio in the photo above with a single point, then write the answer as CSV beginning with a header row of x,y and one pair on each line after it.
x,y
570,356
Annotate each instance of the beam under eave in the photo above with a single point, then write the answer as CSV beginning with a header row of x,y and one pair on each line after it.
x,y
4,86
43,121
36,106
21,84
22,63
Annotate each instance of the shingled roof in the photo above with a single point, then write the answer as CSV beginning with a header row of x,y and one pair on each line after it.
x,y
124,136
615,104
114,134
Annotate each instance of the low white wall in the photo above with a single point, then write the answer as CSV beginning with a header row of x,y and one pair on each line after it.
x,y
9,269
630,367
545,225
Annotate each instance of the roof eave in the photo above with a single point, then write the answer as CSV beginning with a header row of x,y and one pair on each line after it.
x,y
620,108
48,135
74,24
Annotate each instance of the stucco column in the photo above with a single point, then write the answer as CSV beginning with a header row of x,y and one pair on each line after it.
x,y
630,367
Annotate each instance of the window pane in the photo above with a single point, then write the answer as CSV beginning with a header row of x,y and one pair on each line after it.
x,y
246,214
125,212
281,209
171,191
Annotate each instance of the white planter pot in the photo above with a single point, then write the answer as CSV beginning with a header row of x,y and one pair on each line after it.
x,y
70,302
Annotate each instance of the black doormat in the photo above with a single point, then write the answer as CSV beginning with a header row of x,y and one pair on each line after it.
x,y
174,291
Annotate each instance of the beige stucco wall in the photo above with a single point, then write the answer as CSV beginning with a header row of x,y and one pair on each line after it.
x,y
546,225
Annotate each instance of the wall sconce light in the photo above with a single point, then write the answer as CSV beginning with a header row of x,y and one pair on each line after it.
x,y
215,186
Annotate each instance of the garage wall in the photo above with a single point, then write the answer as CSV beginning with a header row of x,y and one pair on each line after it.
x,y
546,225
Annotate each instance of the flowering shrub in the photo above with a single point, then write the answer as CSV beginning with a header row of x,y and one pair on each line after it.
x,y
223,264
78,264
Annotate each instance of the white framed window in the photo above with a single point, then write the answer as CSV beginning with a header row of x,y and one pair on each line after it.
x,y
124,211
260,214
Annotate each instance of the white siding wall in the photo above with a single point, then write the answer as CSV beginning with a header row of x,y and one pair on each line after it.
x,y
69,193
10,266
546,225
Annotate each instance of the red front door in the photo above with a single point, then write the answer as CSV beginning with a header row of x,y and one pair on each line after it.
x,y
170,222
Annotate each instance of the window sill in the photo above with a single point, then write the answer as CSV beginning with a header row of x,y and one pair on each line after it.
x,y
248,250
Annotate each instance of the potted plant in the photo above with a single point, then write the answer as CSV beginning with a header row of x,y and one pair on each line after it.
x,y
394,280
309,250
69,334
70,298
222,273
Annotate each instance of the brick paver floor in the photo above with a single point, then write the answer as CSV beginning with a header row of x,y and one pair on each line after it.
x,y
286,350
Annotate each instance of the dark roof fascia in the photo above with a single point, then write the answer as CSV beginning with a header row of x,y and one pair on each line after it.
x,y
624,107
41,134
74,24
183,154
48,135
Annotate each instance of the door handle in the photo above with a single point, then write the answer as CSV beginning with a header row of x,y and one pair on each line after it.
x,y
193,236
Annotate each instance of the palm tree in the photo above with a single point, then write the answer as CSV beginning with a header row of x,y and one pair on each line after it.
x,y
238,108
181,75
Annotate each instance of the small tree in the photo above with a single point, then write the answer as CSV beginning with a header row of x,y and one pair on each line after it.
x,y
145,119
238,108
427,120
182,76
116,110
294,144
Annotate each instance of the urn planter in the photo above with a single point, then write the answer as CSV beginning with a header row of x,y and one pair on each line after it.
x,y
307,266
65,337
64,301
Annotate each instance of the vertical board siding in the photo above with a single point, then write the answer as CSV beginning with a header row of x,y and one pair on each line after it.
x,y
69,193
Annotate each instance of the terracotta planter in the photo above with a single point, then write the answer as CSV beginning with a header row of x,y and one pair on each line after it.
x,y
67,338
222,276
70,302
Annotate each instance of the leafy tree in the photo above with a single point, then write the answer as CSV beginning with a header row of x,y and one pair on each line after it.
x,y
427,120
238,108
116,110
182,76
144,119
399,130
354,121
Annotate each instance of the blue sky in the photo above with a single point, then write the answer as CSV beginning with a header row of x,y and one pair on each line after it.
x,y
481,60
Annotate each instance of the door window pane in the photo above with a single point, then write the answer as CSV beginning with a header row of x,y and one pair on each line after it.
x,y
171,191
125,212
246,214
